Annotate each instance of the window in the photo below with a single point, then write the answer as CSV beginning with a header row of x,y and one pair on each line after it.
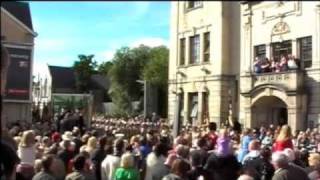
x,y
206,50
281,48
194,4
260,51
181,97
194,49
305,51
205,107
182,51
193,107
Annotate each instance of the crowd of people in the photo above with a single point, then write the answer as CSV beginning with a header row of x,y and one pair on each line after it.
x,y
266,65
135,149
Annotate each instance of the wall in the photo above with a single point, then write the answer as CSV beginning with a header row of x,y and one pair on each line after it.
x,y
220,19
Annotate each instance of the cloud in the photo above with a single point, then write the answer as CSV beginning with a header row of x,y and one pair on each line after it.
x,y
150,41
105,55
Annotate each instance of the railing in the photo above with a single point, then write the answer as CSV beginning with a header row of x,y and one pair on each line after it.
x,y
291,80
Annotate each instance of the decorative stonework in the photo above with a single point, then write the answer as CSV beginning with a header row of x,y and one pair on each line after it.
x,y
286,9
280,28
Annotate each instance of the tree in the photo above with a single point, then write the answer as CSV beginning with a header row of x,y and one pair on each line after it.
x,y
105,67
127,68
84,68
156,71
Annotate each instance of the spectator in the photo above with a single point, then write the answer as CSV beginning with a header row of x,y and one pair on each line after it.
x,y
244,144
283,170
127,170
98,156
27,154
91,146
26,149
283,63
66,154
292,64
314,169
212,135
197,171
268,139
257,65
9,162
79,169
178,171
112,161
158,156
265,66
284,139
47,163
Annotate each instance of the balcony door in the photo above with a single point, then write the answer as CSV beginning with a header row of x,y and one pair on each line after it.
x,y
281,48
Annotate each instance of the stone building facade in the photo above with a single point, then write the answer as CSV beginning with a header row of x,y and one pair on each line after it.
x,y
272,29
212,50
203,66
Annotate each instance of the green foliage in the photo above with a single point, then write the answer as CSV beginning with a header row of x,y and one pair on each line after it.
x,y
84,68
105,67
156,71
130,65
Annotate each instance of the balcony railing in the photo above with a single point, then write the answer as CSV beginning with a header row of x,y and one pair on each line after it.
x,y
291,80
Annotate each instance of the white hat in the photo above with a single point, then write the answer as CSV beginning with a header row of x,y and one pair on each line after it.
x,y
67,136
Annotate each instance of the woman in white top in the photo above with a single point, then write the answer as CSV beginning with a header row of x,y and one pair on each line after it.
x,y
27,149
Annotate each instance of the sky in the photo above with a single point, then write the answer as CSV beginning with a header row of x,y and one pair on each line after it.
x,y
67,29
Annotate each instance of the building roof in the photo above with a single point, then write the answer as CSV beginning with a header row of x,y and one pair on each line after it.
x,y
20,10
98,81
65,78
62,77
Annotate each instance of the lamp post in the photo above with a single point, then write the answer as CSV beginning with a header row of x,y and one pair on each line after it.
x,y
144,82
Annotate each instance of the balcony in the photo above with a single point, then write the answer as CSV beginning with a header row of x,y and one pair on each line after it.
x,y
289,81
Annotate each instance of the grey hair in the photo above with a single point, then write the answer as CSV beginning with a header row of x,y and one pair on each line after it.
x,y
280,159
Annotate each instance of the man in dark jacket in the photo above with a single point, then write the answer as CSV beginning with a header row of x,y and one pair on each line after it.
x,y
46,172
222,167
66,154
284,171
79,164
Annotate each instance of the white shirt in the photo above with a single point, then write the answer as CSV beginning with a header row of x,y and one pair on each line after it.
x,y
152,160
252,154
27,154
109,166
292,64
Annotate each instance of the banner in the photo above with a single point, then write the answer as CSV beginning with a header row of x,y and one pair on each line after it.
x,y
18,77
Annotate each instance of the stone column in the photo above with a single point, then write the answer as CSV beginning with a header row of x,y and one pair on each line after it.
x,y
293,118
186,108
200,107
294,47
316,39
248,117
268,50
